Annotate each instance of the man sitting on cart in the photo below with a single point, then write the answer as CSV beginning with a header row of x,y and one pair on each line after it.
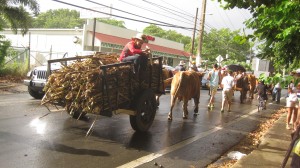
x,y
132,52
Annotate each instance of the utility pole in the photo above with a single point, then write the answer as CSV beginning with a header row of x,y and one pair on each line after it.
x,y
29,46
94,32
193,39
202,21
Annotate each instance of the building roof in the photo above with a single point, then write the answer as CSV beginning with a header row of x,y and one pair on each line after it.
x,y
123,41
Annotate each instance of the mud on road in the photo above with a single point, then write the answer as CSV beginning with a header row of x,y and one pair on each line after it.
x,y
11,85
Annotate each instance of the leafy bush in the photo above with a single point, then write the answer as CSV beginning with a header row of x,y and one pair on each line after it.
x,y
4,45
14,69
277,78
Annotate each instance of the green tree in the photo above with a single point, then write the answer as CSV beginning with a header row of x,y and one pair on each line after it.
x,y
4,45
172,35
114,22
276,23
222,42
13,13
14,16
216,42
59,18
154,30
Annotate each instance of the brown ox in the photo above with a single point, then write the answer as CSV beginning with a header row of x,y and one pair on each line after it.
x,y
167,79
242,85
252,85
185,85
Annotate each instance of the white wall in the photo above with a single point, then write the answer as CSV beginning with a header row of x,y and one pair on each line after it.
x,y
126,33
260,66
61,40
42,41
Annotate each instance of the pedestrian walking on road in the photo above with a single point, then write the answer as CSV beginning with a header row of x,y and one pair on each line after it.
x,y
261,90
193,66
298,91
292,108
290,86
180,66
214,78
276,93
227,93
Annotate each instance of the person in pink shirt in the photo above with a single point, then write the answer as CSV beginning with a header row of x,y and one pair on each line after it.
x,y
132,52
292,108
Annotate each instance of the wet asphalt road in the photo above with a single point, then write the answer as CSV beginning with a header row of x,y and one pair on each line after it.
x,y
30,136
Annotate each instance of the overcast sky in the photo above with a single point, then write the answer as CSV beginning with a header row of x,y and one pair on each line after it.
x,y
178,13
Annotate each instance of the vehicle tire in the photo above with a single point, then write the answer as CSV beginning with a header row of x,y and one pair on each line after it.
x,y
35,94
75,114
145,112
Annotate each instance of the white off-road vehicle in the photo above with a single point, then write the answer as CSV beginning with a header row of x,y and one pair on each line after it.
x,y
37,77
37,80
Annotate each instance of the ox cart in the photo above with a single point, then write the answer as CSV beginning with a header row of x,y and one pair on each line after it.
x,y
104,87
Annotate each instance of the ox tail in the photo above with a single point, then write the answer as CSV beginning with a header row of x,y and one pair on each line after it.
x,y
178,86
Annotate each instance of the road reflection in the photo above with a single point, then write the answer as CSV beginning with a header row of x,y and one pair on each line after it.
x,y
38,125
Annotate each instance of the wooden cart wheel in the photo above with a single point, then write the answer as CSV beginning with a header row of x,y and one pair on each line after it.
x,y
75,114
145,112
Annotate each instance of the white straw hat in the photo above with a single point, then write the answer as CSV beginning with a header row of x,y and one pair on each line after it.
x,y
140,36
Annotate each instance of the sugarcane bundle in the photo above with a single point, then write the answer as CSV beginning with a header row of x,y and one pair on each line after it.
x,y
85,87
78,86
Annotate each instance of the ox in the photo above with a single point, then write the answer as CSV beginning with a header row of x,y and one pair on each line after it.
x,y
252,85
167,79
185,85
242,85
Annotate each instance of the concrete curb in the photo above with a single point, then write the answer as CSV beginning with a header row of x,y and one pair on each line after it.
x,y
272,150
4,86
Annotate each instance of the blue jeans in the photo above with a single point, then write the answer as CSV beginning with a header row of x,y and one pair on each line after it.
x,y
276,94
140,61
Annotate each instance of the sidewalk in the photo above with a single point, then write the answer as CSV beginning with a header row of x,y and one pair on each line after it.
x,y
6,85
7,88
272,150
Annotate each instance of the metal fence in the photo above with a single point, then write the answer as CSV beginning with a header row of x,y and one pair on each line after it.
x,y
37,58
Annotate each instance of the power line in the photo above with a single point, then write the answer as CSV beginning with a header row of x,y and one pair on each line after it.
x,y
208,27
166,25
242,15
167,9
126,12
247,13
187,14
153,11
220,15
229,19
